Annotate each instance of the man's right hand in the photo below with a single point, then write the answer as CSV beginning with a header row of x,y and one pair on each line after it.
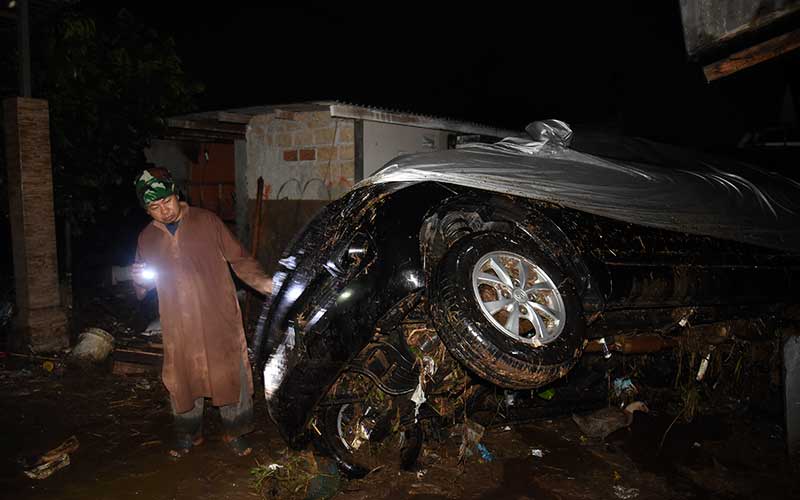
x,y
137,270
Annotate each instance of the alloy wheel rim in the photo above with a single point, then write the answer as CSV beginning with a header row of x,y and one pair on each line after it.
x,y
518,298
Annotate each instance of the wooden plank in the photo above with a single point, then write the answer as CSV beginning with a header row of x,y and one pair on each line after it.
x,y
358,134
138,357
228,117
126,368
208,127
282,219
759,53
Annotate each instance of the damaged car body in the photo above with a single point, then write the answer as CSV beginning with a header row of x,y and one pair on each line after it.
x,y
496,265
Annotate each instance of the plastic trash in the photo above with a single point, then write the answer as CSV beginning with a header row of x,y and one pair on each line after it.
x,y
418,398
548,394
94,346
471,435
624,493
154,328
484,452
701,372
45,465
604,346
537,452
624,385
47,469
143,384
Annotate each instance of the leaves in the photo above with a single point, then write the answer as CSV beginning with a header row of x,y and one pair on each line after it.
x,y
111,84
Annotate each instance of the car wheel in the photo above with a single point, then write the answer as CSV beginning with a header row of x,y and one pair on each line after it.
x,y
506,310
363,431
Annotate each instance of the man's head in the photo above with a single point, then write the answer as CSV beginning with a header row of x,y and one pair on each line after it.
x,y
156,192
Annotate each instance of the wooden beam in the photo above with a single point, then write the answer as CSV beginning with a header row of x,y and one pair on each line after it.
x,y
226,117
207,126
180,135
749,57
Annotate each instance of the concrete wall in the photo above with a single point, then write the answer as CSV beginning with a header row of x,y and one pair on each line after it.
x,y
300,155
384,141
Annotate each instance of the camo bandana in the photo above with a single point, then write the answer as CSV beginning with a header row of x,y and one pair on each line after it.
x,y
153,185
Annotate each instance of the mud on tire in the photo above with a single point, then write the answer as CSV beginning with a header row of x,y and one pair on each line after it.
x,y
461,299
363,430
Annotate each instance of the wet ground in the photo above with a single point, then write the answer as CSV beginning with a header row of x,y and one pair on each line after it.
x,y
122,423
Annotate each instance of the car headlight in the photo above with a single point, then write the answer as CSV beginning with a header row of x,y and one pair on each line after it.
x,y
356,253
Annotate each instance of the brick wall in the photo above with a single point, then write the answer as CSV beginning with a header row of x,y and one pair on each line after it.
x,y
41,320
301,155
306,160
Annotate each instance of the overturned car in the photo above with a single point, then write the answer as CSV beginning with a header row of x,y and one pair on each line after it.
x,y
494,265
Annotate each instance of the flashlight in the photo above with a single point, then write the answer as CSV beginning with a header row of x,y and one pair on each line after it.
x,y
149,274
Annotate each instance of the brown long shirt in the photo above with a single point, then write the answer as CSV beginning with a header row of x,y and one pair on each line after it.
x,y
203,335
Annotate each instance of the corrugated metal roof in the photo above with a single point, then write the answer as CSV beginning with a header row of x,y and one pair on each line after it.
x,y
355,111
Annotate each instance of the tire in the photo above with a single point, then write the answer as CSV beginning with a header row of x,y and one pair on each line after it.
x,y
466,294
364,433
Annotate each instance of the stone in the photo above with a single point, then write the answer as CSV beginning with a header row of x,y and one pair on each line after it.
x,y
323,136
346,132
326,153
346,152
302,138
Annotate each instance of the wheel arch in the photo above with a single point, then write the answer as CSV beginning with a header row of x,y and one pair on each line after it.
x,y
474,211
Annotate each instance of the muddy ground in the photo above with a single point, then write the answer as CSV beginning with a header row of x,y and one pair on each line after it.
x,y
122,425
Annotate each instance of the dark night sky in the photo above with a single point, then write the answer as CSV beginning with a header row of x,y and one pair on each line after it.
x,y
620,64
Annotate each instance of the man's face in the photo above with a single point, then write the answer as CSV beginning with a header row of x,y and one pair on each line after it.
x,y
166,210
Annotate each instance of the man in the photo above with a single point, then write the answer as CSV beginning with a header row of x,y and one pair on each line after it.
x,y
184,253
